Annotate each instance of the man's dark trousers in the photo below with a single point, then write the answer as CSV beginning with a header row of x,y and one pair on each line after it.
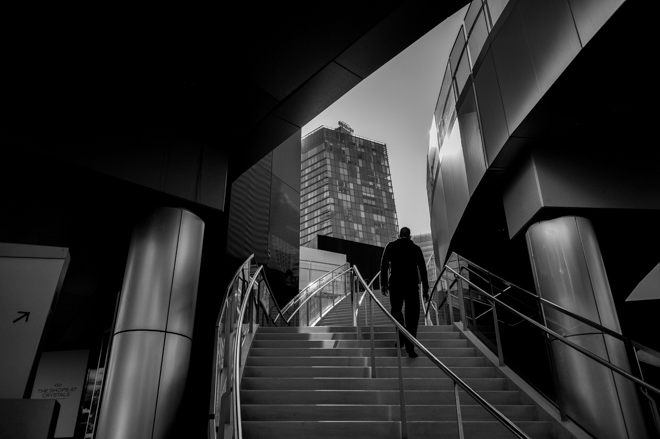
x,y
411,321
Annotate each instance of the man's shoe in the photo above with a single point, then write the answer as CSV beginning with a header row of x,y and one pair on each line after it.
x,y
413,354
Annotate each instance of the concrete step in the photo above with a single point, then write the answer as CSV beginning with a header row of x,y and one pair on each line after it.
x,y
328,344
354,352
374,397
422,361
388,430
341,383
363,372
379,328
380,335
346,412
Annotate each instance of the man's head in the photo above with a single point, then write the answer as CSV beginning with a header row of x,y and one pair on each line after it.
x,y
404,233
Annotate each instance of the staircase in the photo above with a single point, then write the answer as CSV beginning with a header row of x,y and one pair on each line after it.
x,y
314,382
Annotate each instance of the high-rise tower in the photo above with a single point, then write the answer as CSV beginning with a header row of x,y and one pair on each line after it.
x,y
346,188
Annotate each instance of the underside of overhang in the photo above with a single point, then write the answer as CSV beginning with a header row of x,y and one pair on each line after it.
x,y
242,77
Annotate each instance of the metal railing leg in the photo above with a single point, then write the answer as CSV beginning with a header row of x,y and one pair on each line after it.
x,y
498,340
373,338
333,293
461,303
459,417
402,395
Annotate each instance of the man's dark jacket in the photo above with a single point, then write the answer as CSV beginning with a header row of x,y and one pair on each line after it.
x,y
404,258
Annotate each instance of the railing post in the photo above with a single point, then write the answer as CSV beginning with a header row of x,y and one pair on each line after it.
x,y
373,338
553,368
472,313
459,417
252,311
321,303
461,302
450,307
333,292
402,395
498,340
650,409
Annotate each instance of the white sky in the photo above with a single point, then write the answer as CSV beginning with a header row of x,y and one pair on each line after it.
x,y
395,105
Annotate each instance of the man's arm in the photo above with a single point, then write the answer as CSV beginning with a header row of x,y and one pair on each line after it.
x,y
384,268
422,272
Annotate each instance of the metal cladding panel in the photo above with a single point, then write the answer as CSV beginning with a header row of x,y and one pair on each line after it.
x,y
439,224
590,15
181,315
491,108
454,178
286,161
284,232
552,38
515,70
475,162
145,294
566,262
176,359
521,196
249,217
131,389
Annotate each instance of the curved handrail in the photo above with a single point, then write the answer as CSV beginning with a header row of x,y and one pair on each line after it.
x,y
213,409
233,279
236,395
305,290
561,337
312,294
279,310
457,381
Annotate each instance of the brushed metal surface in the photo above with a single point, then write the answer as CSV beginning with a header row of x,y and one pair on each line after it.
x,y
551,37
475,160
181,314
590,15
515,70
176,359
131,389
145,293
568,270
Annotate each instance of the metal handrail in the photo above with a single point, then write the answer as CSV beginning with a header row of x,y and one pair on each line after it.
x,y
308,298
559,308
236,395
213,409
305,290
561,337
457,381
272,296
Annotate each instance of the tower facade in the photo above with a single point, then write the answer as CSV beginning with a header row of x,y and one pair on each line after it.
x,y
346,188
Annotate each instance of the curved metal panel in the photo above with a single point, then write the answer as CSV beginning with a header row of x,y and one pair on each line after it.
x,y
145,294
568,270
590,15
515,70
551,37
181,315
491,108
176,359
131,389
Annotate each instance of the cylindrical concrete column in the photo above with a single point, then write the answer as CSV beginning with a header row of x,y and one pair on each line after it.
x,y
153,333
569,271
